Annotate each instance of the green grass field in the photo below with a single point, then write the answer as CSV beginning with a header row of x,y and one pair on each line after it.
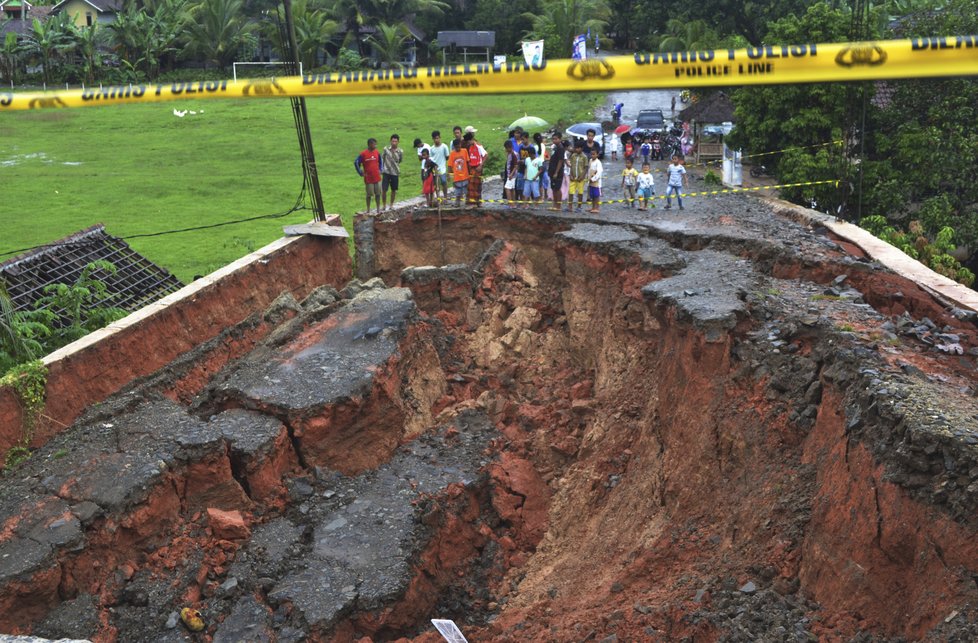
x,y
140,169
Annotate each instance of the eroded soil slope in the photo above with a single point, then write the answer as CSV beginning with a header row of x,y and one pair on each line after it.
x,y
548,428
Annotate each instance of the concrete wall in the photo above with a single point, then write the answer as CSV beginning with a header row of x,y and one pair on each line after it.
x,y
100,364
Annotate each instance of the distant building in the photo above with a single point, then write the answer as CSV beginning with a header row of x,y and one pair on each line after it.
x,y
478,42
88,12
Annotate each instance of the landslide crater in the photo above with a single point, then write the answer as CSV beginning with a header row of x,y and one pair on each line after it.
x,y
716,428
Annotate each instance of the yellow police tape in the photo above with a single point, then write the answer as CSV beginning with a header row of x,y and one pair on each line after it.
x,y
755,188
769,64
788,149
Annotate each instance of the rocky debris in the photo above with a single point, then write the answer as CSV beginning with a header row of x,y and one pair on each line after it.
x,y
366,535
440,288
759,614
73,619
229,525
335,351
654,254
710,292
248,621
336,381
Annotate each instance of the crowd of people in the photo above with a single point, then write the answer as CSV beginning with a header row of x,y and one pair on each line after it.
x,y
534,171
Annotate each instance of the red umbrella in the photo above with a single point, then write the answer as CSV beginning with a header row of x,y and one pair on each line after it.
x,y
621,129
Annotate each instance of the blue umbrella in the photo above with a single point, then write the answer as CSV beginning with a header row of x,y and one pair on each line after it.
x,y
579,130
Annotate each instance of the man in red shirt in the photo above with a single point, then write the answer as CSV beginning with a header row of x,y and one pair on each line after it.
x,y
368,165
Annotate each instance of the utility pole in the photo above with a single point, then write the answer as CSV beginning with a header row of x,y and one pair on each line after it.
x,y
301,116
854,128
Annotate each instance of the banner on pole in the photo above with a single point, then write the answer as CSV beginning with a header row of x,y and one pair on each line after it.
x,y
580,48
533,52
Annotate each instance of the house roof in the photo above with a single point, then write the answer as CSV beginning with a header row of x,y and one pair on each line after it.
x,y
15,4
137,282
712,108
467,38
102,6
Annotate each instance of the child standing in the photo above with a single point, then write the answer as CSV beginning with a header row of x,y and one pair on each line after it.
x,y
614,145
534,167
512,165
390,160
630,148
595,170
646,187
646,150
439,154
578,166
458,160
429,173
677,179
367,165
629,179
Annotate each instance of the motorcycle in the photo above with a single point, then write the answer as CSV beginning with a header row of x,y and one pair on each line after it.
x,y
758,171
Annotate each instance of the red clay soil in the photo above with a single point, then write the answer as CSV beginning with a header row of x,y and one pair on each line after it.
x,y
668,474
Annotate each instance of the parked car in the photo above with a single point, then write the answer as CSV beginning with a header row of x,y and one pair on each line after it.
x,y
651,119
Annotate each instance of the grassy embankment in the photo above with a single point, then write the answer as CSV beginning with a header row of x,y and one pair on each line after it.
x,y
139,169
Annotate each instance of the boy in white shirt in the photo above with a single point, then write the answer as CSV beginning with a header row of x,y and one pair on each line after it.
x,y
646,187
595,170
677,180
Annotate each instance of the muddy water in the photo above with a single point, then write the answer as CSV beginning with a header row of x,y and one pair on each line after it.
x,y
637,100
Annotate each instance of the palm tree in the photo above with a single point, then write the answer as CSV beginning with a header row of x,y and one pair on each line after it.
x,y
10,52
561,20
682,35
219,30
313,30
128,32
388,42
50,39
167,26
90,41
352,15
394,11
18,343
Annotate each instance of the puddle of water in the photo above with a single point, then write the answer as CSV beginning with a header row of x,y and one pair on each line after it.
x,y
18,159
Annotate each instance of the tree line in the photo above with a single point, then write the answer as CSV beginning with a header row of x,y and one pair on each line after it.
x,y
149,38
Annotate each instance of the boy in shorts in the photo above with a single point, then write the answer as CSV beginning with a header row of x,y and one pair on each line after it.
x,y
367,165
594,172
629,179
577,166
390,160
534,167
646,187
